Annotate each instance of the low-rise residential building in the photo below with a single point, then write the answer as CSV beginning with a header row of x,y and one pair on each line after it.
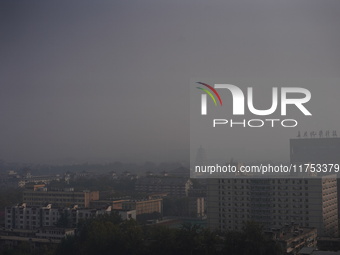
x,y
23,217
127,214
54,233
145,206
84,214
142,206
293,238
26,217
59,197
116,204
39,239
173,186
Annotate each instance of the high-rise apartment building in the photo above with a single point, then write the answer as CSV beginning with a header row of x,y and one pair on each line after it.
x,y
274,203
322,150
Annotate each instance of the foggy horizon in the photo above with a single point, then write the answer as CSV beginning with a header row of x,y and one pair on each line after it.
x,y
109,81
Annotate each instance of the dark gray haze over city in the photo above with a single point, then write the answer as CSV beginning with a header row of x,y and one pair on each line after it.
x,y
99,81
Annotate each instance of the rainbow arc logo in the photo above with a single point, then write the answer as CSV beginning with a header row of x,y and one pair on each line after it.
x,y
204,96
209,93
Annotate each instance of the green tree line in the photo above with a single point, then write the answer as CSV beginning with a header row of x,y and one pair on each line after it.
x,y
108,234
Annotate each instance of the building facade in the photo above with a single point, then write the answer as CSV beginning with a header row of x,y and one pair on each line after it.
x,y
293,238
173,186
59,198
145,206
27,217
324,150
22,216
274,203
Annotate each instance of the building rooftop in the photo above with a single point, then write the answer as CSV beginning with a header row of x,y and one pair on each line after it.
x,y
162,181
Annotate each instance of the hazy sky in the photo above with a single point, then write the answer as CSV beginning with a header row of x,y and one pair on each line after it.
x,y
92,80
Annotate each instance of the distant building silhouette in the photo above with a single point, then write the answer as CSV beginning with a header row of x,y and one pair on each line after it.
x,y
173,186
201,157
320,150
